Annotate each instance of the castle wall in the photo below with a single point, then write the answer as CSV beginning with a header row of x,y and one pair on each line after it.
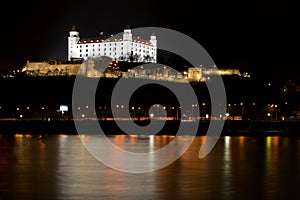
x,y
46,69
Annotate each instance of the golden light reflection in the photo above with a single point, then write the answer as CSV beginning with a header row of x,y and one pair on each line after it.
x,y
19,136
84,138
276,141
241,140
42,156
227,154
133,139
268,142
271,153
268,154
28,136
120,138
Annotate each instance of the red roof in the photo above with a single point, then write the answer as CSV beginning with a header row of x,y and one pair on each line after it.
x,y
73,28
127,27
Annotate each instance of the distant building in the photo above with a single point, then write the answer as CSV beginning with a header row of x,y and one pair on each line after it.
x,y
196,74
221,72
126,48
50,69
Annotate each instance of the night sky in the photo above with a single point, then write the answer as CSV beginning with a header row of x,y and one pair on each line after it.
x,y
260,36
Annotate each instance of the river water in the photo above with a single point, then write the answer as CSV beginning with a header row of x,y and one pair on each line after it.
x,y
238,167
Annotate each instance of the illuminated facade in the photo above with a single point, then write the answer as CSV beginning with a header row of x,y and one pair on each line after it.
x,y
126,48
197,74
53,69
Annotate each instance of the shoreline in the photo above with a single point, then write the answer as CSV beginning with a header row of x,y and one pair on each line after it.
x,y
230,128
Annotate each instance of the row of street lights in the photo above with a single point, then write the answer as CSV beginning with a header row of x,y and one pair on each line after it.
x,y
232,110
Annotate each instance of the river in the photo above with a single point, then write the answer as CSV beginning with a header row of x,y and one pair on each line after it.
x,y
238,167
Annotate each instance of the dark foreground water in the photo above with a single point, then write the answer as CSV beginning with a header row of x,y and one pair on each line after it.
x,y
59,167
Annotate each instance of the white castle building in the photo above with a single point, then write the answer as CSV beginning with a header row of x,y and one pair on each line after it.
x,y
127,48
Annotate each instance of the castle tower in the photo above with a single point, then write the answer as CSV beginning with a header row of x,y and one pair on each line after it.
x,y
72,41
153,41
127,35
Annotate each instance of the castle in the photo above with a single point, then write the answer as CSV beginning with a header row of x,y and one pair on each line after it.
x,y
115,49
126,48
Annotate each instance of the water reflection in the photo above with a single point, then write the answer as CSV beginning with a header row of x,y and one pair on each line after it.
x,y
59,167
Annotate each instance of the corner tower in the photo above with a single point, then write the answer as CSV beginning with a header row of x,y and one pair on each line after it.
x,y
127,35
72,41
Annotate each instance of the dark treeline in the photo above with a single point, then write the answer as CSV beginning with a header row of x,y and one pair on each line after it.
x,y
251,98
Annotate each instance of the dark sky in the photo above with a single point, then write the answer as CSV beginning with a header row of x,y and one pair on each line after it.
x,y
260,36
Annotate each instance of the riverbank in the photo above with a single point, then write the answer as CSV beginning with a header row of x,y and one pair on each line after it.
x,y
231,127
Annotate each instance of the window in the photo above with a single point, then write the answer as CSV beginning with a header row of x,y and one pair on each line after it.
x,y
86,50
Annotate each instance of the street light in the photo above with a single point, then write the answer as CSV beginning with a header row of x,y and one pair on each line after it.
x,y
156,106
228,109
177,113
117,106
275,112
193,106
204,109
78,108
242,107
133,113
43,113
